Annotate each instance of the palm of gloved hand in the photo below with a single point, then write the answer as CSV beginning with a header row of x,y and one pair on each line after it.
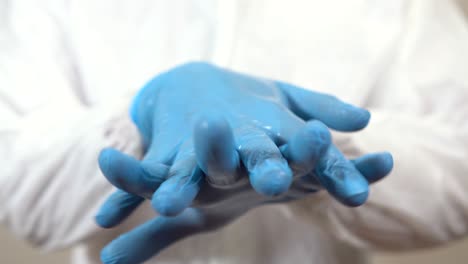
x,y
211,136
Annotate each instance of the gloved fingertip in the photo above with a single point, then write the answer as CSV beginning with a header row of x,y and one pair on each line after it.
x,y
104,159
271,178
387,163
167,205
215,148
365,118
353,191
384,165
117,207
355,199
314,140
357,118
108,217
103,220
374,166
111,256
318,127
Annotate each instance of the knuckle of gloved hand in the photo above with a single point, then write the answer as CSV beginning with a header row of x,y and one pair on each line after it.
x,y
257,157
333,168
317,134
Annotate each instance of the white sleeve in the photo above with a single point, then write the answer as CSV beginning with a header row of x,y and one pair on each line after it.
x,y
50,184
419,114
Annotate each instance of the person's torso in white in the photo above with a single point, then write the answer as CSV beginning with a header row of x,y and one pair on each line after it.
x,y
68,69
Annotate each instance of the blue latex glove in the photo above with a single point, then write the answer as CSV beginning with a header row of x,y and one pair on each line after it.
x,y
211,135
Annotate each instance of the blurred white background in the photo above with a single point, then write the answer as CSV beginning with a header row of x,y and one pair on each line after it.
x,y
13,251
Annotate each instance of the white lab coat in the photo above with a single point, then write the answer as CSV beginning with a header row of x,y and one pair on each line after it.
x,y
68,70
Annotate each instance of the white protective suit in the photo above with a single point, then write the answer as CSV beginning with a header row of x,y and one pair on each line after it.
x,y
69,69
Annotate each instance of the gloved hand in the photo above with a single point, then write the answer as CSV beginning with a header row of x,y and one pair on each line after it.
x,y
222,143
